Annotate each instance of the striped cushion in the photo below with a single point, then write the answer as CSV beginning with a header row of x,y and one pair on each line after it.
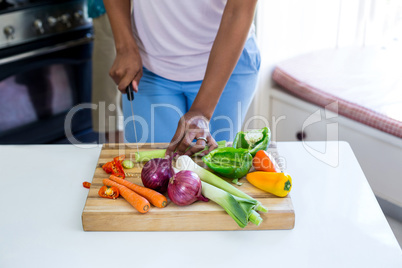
x,y
366,83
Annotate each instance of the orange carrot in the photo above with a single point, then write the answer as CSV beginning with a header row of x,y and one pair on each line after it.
x,y
137,201
155,198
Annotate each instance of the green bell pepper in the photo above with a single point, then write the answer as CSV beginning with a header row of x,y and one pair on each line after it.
x,y
229,162
253,140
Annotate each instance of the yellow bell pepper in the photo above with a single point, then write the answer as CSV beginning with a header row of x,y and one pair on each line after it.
x,y
276,183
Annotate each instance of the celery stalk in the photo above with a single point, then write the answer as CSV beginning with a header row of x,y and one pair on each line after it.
x,y
184,162
227,202
144,156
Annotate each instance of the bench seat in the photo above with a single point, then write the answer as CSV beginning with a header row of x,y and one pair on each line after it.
x,y
366,83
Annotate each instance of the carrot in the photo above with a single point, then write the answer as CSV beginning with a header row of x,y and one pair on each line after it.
x,y
155,198
137,201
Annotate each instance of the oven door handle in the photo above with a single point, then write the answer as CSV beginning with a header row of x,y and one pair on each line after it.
x,y
47,50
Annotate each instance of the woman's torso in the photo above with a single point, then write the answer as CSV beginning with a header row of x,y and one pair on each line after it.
x,y
175,37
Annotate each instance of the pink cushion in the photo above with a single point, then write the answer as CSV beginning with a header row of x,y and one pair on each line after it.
x,y
366,83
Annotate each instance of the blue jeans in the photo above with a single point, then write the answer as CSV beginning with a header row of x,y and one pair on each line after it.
x,y
160,103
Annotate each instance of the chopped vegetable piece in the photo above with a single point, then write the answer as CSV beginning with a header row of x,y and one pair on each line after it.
x,y
278,184
86,184
119,168
108,167
184,162
108,192
236,181
254,140
119,158
229,162
127,164
137,201
115,167
155,198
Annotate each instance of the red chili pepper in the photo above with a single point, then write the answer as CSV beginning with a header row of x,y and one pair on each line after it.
x,y
109,192
119,158
119,168
108,167
86,184
115,166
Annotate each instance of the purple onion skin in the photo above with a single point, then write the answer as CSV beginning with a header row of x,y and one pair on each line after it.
x,y
185,188
156,174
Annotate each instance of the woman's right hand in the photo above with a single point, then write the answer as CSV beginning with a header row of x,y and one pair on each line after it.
x,y
126,68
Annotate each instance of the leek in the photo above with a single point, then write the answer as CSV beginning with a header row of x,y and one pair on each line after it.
x,y
184,162
240,209
255,218
227,202
145,156
248,206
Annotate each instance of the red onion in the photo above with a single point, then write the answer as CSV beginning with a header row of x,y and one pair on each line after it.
x,y
156,174
185,188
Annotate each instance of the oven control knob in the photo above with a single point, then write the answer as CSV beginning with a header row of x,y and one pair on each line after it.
x,y
51,21
38,25
78,15
65,19
9,32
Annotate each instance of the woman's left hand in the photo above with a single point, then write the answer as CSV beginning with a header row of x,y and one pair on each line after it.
x,y
192,125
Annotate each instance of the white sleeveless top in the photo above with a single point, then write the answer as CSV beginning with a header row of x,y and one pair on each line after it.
x,y
175,37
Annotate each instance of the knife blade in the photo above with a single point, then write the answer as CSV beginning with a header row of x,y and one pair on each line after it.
x,y
130,97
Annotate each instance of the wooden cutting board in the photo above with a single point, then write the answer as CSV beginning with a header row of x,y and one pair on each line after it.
x,y
102,214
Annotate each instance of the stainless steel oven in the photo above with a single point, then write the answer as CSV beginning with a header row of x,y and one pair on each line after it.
x,y
45,71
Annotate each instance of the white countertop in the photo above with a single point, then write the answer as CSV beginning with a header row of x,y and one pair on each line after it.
x,y
338,220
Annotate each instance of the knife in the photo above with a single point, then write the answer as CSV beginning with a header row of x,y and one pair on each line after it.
x,y
130,97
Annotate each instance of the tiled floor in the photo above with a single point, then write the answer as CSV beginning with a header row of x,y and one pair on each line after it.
x,y
396,227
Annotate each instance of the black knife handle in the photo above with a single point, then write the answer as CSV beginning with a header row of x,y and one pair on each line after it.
x,y
130,92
